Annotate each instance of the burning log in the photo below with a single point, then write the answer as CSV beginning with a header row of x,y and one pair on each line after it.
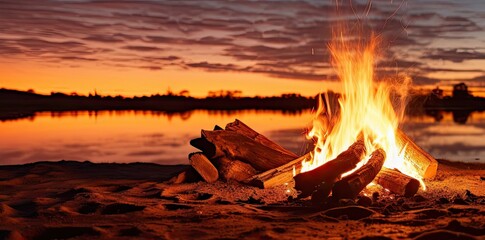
x,y
424,163
237,146
397,182
233,169
328,172
204,167
243,129
278,176
351,185
321,192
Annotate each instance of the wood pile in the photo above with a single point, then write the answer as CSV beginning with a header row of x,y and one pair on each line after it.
x,y
239,153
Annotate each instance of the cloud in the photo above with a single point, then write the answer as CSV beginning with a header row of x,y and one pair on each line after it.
x,y
287,73
423,80
73,58
465,70
456,55
104,39
215,66
146,153
142,48
287,39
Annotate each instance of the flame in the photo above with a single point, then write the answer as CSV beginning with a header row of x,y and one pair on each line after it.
x,y
366,108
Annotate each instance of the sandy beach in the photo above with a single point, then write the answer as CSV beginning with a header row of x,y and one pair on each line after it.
x,y
83,200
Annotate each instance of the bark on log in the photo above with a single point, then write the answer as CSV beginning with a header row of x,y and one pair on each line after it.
x,y
233,170
278,176
236,146
351,185
243,129
204,167
397,182
344,162
424,163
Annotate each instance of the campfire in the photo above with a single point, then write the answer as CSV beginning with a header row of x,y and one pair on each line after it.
x,y
356,136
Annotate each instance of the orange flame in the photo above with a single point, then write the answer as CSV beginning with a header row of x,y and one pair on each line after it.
x,y
366,109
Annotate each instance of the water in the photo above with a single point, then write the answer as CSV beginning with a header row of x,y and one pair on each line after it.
x,y
456,136
145,136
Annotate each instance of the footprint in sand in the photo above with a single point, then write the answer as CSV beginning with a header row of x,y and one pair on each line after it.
x,y
67,232
130,232
89,207
197,198
173,207
121,208
6,211
25,208
10,234
71,193
117,188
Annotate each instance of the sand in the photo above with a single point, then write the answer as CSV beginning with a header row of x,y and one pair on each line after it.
x,y
83,200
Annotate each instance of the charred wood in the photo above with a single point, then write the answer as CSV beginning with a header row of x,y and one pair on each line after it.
x,y
344,162
351,185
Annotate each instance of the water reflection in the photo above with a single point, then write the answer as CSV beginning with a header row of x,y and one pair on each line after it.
x,y
454,135
161,137
459,116
129,136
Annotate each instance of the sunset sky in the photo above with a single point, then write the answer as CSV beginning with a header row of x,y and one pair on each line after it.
x,y
261,48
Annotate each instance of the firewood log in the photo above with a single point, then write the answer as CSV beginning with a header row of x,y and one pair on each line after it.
x,y
225,150
233,170
344,162
236,146
209,149
278,176
397,182
204,167
351,185
241,128
424,163
321,192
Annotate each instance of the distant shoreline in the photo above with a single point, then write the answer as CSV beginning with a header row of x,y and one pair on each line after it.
x,y
18,104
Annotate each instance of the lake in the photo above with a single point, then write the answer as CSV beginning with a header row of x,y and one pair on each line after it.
x,y
148,136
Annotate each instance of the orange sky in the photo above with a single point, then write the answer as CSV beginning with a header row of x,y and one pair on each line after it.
x,y
109,81
143,47
126,81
